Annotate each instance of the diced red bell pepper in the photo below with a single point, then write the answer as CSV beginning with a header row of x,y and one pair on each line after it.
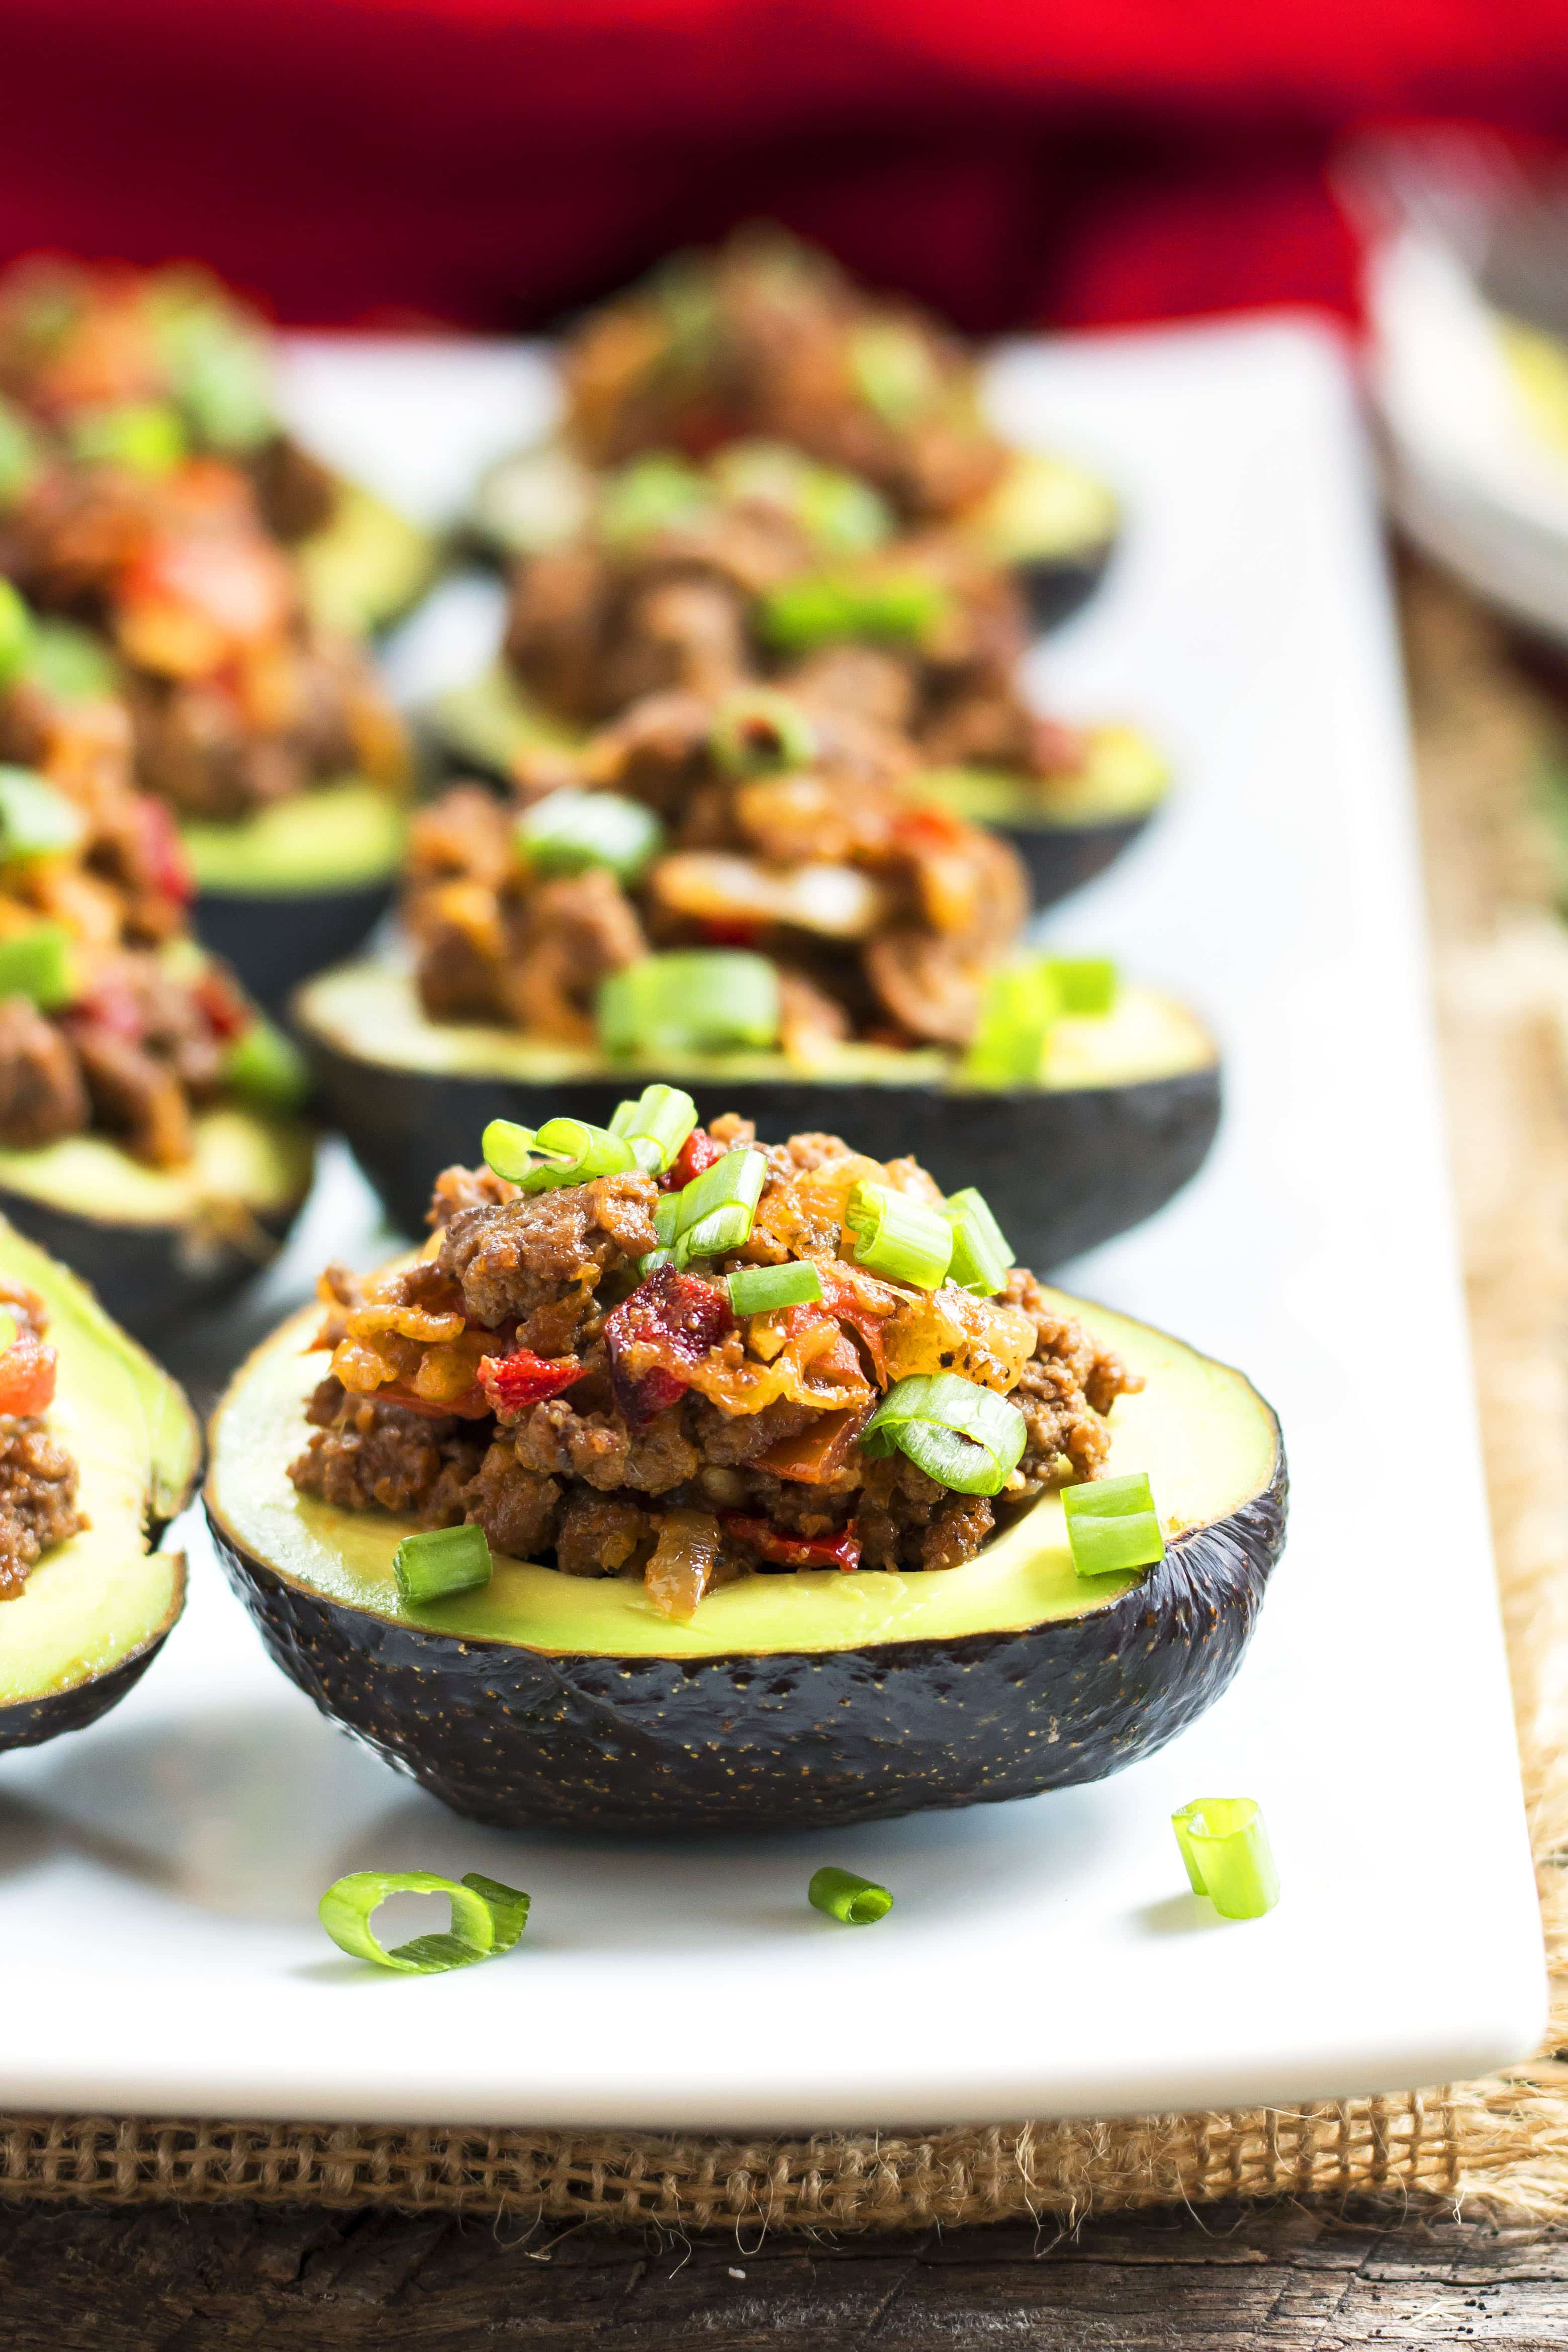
x,y
168,868
515,1382
698,1151
678,1316
729,932
227,1013
26,1377
842,1550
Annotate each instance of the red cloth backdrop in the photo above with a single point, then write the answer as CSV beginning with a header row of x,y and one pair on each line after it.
x,y
491,161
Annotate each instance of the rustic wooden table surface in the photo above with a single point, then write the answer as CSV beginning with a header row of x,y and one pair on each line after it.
x,y
163,2278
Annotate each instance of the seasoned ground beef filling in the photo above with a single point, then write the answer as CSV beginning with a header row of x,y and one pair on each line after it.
x,y
38,1476
519,1376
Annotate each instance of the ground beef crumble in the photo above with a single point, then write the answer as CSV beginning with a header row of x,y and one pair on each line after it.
x,y
579,1479
37,1476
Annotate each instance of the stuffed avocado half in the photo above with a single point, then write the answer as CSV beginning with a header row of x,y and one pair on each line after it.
x,y
98,1450
149,1126
757,1489
1123,1113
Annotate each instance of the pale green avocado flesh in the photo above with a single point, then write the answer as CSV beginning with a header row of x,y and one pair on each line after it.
x,y
1045,509
369,1012
489,721
1207,1439
336,836
242,1161
1123,777
98,1599
366,566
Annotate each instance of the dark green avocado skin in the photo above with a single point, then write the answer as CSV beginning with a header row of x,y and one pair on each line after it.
x,y
1057,586
1062,1171
1063,858
147,1276
683,1746
31,1722
274,939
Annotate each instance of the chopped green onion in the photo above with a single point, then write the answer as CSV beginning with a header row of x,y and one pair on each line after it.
x,y
713,1211
1226,1849
982,1255
666,1218
440,1560
39,963
651,495
898,1236
508,1149
844,515
486,1919
266,1067
570,831
1112,1525
843,1894
15,633
652,1260
576,1151
36,820
965,1436
562,1151
694,1000
1087,985
824,608
1022,1003
146,435
759,734
893,370
655,1126
759,1289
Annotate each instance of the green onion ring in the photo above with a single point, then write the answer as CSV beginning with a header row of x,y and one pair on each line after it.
x,y
570,831
760,1289
899,1238
843,1894
486,1919
1113,1527
965,1436
1228,1855
982,1255
655,1126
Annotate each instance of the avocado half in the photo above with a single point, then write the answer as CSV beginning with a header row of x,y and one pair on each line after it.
x,y
298,885
1065,832
1068,831
157,1243
789,1701
1126,1114
95,1611
1054,525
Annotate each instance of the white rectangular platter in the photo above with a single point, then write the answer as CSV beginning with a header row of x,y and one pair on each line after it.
x,y
159,1873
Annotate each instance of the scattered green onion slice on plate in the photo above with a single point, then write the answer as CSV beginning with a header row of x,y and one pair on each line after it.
x,y
39,963
486,1919
1228,1855
982,1255
570,831
267,1067
655,1126
691,1001
965,1436
1112,1526
439,1561
759,1289
36,820
899,1238
843,1894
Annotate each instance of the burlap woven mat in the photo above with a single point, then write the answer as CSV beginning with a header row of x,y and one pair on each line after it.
x,y
1486,740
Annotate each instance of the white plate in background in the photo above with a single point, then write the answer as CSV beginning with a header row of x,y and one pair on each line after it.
x,y
159,1873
